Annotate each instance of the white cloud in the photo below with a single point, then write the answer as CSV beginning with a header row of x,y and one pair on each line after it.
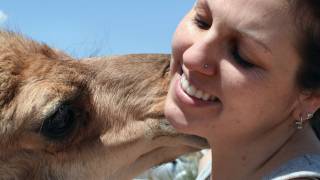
x,y
3,17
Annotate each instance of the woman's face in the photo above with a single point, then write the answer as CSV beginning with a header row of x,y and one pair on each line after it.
x,y
234,67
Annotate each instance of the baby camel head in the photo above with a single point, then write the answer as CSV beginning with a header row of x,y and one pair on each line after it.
x,y
98,118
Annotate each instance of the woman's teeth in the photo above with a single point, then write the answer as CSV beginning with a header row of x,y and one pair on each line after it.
x,y
194,92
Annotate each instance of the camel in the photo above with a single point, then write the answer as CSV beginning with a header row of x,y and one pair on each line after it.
x,y
95,118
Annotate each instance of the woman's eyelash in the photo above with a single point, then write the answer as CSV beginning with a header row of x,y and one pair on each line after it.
x,y
200,23
240,60
235,50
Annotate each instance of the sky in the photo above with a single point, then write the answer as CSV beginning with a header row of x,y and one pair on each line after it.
x,y
85,28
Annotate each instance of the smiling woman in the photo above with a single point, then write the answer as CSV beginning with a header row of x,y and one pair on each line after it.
x,y
248,79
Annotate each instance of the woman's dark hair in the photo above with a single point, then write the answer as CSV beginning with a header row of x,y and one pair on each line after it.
x,y
307,19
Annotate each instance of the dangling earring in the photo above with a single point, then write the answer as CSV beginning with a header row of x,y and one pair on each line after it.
x,y
299,123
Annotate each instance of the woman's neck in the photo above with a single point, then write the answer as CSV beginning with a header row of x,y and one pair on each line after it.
x,y
301,143
252,160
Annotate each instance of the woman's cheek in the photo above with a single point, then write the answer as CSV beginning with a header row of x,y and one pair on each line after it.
x,y
180,43
177,55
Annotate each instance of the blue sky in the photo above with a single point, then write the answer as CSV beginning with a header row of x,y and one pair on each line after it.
x,y
97,27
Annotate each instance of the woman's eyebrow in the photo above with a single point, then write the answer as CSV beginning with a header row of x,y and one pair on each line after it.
x,y
256,41
201,5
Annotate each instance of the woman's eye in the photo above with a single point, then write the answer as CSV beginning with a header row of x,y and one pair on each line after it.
x,y
201,23
240,60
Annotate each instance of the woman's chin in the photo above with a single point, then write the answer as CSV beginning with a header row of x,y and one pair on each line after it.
x,y
176,119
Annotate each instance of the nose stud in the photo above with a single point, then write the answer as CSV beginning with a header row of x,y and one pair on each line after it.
x,y
205,66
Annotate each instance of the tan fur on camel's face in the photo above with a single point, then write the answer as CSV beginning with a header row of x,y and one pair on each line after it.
x,y
99,118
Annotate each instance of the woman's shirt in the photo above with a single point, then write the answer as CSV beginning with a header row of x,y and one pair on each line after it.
x,y
306,167
303,167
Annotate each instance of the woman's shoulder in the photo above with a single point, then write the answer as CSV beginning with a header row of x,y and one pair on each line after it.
x,y
305,166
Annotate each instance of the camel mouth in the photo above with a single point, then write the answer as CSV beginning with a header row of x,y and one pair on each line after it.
x,y
166,135
167,151
196,142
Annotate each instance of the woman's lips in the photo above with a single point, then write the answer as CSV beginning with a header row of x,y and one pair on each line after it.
x,y
193,91
192,96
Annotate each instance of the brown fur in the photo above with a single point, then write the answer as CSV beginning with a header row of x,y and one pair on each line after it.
x,y
117,105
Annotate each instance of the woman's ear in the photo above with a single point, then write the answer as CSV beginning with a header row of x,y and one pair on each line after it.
x,y
308,103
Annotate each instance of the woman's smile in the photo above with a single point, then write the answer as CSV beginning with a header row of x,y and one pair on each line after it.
x,y
193,91
190,95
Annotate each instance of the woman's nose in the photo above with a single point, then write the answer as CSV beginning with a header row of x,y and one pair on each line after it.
x,y
202,54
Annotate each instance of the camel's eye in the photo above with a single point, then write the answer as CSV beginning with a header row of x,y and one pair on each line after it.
x,y
60,124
